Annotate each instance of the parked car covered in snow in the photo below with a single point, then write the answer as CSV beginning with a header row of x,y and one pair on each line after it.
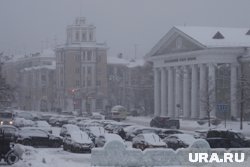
x,y
21,122
68,128
43,125
140,130
38,138
27,115
101,140
10,132
77,141
94,131
176,141
163,133
148,140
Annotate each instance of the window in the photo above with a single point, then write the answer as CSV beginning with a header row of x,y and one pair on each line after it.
x,y
77,58
62,56
83,55
84,36
89,70
43,78
89,53
77,70
77,36
77,83
89,82
98,58
98,83
99,103
218,35
91,36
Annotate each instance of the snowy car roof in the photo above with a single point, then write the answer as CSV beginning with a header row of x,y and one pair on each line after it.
x,y
80,137
42,123
71,127
112,137
186,138
152,138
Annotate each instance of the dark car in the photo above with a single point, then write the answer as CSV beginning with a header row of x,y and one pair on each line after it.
x,y
38,138
213,121
165,122
77,141
10,132
148,140
227,139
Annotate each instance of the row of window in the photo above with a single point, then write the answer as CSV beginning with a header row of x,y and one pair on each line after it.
x,y
89,83
85,56
83,37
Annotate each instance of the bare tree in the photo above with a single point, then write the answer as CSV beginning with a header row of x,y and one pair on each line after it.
x,y
6,92
209,100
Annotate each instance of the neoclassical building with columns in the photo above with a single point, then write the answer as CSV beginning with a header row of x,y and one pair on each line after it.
x,y
197,69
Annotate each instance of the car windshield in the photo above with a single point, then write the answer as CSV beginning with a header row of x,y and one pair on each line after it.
x,y
240,135
5,115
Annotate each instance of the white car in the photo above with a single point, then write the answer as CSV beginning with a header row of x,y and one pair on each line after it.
x,y
148,140
77,141
176,141
68,128
101,140
43,125
95,131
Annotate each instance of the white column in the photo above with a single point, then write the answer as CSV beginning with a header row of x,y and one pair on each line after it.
x,y
212,89
163,93
170,92
233,90
194,93
156,92
177,91
186,93
203,91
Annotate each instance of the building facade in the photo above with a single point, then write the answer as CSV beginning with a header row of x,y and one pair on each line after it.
x,y
197,71
81,70
130,84
33,79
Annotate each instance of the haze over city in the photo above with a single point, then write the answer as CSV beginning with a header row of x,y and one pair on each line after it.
x,y
29,26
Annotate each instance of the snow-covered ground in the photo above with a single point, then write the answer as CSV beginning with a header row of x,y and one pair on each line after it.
x,y
51,157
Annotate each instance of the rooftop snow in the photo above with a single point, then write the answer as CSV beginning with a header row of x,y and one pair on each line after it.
x,y
233,37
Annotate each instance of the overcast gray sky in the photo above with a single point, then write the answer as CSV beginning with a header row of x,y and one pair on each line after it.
x,y
26,25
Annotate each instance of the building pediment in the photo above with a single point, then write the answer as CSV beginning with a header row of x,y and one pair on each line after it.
x,y
173,42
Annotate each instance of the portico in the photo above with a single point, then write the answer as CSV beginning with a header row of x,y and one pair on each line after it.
x,y
186,68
